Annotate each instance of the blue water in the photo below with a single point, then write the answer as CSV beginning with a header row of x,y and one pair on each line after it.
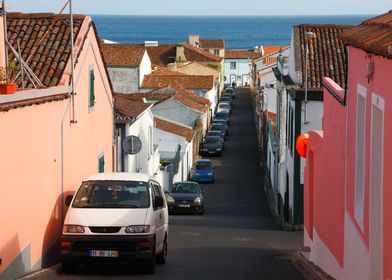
x,y
239,32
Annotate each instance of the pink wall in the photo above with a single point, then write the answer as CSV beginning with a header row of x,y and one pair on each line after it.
x,y
325,175
31,165
380,84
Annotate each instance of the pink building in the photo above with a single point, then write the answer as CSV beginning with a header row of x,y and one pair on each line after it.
x,y
51,139
347,184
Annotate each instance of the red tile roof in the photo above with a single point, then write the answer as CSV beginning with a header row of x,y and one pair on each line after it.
x,y
175,128
327,55
268,50
373,35
129,106
162,54
241,54
190,102
153,95
129,55
155,81
196,54
43,40
212,43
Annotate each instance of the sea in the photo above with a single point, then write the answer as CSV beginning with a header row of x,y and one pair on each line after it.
x,y
239,32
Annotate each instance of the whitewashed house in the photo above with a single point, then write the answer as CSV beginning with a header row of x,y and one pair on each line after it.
x,y
175,144
134,117
127,65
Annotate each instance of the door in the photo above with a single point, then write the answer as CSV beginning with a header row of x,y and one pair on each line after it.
x,y
159,216
245,79
232,78
376,188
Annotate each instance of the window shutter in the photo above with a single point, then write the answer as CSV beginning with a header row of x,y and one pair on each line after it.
x,y
101,164
92,95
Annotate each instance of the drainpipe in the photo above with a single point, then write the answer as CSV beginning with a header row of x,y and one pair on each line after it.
x,y
73,120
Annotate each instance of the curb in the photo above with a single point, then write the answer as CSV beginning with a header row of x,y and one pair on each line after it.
x,y
309,269
43,274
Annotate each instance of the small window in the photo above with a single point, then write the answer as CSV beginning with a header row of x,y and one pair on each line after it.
x,y
101,164
216,52
92,93
233,65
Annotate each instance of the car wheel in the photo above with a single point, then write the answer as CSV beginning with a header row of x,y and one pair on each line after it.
x,y
68,267
201,213
161,257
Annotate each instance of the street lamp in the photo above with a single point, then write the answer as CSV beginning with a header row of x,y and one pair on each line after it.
x,y
308,37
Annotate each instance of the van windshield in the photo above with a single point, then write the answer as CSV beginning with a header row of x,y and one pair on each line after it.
x,y
112,194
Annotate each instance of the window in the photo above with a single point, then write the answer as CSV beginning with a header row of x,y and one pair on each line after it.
x,y
216,52
156,192
360,154
233,65
101,163
92,93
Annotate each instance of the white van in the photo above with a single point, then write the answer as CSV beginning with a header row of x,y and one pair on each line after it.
x,y
116,217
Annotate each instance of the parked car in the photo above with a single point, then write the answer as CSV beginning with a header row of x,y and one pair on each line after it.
x,y
186,197
223,115
219,127
202,171
222,122
224,107
231,92
217,133
212,145
116,217
228,99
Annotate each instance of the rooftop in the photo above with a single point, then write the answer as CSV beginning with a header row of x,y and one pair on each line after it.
x,y
373,35
212,43
156,81
129,106
129,55
242,54
175,128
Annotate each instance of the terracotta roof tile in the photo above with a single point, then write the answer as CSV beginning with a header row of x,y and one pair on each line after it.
x,y
196,54
268,50
242,54
129,106
327,55
162,54
190,102
123,54
44,44
212,43
153,95
174,128
373,35
155,81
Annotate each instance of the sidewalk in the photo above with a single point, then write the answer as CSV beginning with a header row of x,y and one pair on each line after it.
x,y
44,274
309,269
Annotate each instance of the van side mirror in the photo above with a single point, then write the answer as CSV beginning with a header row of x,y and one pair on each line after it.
x,y
158,202
68,200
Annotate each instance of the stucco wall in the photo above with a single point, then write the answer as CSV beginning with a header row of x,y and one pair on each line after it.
x,y
145,67
32,164
124,79
243,66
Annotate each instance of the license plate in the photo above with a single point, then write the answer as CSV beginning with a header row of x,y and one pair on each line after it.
x,y
102,253
184,205
211,152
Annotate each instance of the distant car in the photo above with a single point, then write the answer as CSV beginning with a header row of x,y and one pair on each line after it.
x,y
228,99
217,133
220,127
231,92
223,115
203,171
222,122
212,145
224,107
186,197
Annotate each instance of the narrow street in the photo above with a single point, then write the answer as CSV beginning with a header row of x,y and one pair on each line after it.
x,y
237,238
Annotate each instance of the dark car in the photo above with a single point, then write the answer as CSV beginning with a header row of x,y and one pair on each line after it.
x,y
202,171
220,127
228,99
223,115
217,133
186,197
231,92
212,145
222,122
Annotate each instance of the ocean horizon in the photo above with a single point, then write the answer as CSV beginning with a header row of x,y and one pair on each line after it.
x,y
239,32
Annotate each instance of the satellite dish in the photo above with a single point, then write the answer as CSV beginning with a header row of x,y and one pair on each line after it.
x,y
132,145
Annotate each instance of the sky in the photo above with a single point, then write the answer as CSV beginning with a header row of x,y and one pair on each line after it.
x,y
206,7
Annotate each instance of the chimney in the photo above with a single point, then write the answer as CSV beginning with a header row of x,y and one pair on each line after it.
x,y
3,49
180,54
194,40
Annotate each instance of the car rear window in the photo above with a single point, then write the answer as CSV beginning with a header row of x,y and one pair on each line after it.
x,y
203,165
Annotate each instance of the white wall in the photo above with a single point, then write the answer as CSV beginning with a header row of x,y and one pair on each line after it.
x,y
146,161
145,67
124,79
243,66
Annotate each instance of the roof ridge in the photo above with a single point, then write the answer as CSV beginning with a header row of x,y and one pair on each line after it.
x,y
171,121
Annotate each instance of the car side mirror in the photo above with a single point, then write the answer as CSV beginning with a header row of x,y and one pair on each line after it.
x,y
68,200
158,202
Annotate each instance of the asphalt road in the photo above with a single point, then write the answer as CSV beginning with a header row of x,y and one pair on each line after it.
x,y
237,238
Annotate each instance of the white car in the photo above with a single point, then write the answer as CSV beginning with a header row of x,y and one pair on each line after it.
x,y
224,107
116,217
